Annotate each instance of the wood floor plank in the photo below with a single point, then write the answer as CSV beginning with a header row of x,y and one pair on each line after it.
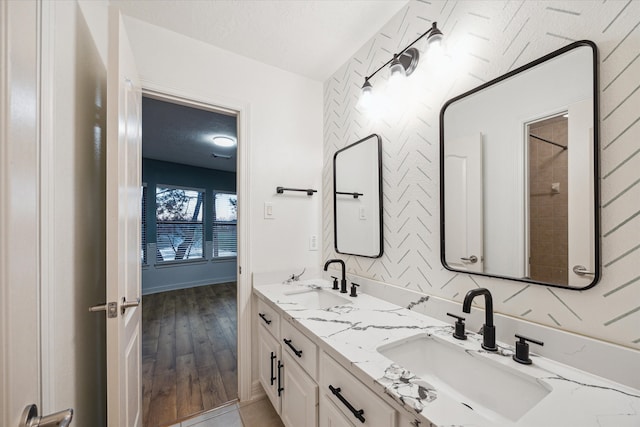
x,y
212,386
148,367
184,344
189,352
188,390
162,407
228,371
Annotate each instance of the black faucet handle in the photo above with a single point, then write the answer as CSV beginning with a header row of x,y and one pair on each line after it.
x,y
459,327
335,283
522,349
353,290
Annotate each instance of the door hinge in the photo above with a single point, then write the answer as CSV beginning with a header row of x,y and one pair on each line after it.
x,y
239,269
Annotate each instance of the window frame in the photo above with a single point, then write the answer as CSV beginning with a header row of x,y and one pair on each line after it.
x,y
202,222
214,222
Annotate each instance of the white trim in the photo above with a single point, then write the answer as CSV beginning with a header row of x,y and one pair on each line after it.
x,y
47,191
185,285
242,111
257,392
4,120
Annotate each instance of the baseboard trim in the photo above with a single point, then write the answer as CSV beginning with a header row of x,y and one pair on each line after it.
x,y
186,285
257,392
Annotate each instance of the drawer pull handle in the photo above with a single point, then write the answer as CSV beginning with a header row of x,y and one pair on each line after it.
x,y
273,377
296,351
280,388
359,414
267,321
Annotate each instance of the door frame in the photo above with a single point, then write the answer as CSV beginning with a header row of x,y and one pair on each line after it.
x,y
244,286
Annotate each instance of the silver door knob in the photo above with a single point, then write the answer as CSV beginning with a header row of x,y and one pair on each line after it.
x,y
472,259
127,304
581,270
30,418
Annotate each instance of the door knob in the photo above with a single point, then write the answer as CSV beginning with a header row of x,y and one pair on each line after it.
x,y
126,304
30,418
472,259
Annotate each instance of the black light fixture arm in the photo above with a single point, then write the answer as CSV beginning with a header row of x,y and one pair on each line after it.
x,y
433,28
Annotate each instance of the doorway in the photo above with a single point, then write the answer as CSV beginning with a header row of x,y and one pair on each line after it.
x,y
189,258
547,202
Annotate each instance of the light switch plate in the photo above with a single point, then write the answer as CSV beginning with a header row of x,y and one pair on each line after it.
x,y
268,210
313,242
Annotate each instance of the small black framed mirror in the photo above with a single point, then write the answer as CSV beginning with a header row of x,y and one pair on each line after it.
x,y
357,198
519,188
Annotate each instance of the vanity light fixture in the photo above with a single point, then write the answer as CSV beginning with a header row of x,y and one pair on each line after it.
x,y
405,62
224,141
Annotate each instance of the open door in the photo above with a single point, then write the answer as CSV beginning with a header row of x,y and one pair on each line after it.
x,y
124,148
582,258
464,205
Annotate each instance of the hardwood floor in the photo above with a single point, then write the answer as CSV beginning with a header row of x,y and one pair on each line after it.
x,y
189,352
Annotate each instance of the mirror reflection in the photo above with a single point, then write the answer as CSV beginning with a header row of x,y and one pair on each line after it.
x,y
518,165
357,198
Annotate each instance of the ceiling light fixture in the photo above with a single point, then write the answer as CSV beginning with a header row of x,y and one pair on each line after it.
x,y
224,141
406,61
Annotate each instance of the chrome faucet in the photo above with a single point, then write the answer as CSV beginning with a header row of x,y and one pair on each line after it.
x,y
343,281
488,330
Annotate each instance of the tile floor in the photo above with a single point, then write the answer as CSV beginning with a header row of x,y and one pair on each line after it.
x,y
255,414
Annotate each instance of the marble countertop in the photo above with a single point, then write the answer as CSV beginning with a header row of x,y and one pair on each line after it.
x,y
353,332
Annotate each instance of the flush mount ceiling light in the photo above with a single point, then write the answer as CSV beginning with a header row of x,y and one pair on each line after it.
x,y
405,62
224,141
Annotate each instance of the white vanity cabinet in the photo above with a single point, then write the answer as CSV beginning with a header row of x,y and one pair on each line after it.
x,y
299,397
287,367
356,404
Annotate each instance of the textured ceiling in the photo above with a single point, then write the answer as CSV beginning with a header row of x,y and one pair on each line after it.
x,y
180,134
312,38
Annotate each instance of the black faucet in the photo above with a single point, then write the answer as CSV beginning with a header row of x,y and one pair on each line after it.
x,y
343,281
488,330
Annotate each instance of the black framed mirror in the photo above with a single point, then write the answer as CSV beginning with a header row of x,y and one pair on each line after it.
x,y
519,191
357,198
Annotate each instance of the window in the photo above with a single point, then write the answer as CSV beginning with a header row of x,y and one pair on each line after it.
x,y
143,226
225,224
179,223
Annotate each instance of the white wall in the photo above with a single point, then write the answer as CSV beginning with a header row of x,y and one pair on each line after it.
x,y
285,133
282,113
487,39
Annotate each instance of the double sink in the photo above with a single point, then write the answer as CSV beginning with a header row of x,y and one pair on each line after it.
x,y
494,390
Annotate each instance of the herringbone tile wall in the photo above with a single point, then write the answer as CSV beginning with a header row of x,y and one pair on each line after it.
x,y
486,39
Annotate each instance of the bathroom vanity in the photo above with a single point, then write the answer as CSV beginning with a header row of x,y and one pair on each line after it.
x,y
326,359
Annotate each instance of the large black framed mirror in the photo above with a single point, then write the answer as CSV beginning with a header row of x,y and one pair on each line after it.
x,y
519,191
357,198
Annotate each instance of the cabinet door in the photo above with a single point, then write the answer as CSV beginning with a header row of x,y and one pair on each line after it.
x,y
268,359
299,397
330,416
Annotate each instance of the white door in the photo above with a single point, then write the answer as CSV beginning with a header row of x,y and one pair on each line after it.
x,y
124,145
463,204
268,358
300,396
580,183
330,415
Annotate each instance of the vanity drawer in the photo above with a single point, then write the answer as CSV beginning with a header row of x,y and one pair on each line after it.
x,y
269,318
300,348
334,377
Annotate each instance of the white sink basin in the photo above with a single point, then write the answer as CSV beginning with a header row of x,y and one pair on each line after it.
x,y
495,391
316,299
